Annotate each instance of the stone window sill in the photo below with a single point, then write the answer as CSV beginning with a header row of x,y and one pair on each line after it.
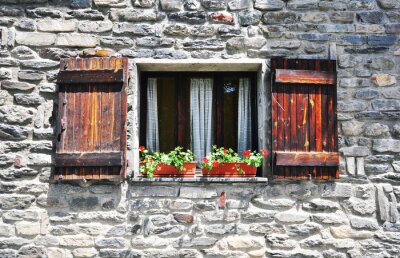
x,y
200,179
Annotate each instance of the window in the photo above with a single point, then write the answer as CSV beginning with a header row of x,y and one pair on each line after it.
x,y
91,136
197,110
304,124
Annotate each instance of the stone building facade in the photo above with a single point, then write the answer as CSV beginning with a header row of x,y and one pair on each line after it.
x,y
355,216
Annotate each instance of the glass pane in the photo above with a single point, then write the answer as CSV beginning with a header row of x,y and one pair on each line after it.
x,y
167,113
230,112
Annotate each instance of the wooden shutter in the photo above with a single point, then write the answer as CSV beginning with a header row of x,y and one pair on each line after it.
x,y
92,108
304,124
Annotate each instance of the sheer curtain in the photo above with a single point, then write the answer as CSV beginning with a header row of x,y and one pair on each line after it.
x,y
244,116
201,91
152,140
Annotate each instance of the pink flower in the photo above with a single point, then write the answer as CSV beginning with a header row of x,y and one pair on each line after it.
x,y
205,160
264,152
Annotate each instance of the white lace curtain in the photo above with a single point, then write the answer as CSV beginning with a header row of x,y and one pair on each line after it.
x,y
201,117
152,137
244,115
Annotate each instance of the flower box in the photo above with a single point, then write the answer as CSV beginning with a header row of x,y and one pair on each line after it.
x,y
230,169
163,170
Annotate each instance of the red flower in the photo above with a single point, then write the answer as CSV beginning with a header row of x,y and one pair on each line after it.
x,y
246,153
225,151
148,160
264,152
142,148
205,160
215,163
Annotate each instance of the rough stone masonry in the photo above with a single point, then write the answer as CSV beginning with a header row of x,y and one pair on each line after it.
x,y
356,216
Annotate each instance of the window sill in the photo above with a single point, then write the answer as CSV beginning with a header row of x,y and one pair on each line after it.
x,y
200,179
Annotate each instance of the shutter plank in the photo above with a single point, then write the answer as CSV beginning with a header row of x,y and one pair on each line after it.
x,y
307,158
89,159
305,77
77,77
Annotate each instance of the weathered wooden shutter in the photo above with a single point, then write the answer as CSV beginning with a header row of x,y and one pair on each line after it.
x,y
304,125
92,108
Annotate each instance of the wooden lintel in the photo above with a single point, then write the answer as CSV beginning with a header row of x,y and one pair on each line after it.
x,y
90,76
89,159
305,77
307,158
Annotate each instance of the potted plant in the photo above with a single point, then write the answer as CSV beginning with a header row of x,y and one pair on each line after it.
x,y
176,163
227,163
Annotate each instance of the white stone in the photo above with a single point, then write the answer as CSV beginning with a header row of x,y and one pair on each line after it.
x,y
35,38
383,79
292,216
84,252
51,25
360,166
351,165
110,3
76,40
27,228
243,242
77,241
347,232
54,252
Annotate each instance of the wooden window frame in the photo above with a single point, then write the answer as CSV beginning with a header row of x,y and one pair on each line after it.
x,y
218,119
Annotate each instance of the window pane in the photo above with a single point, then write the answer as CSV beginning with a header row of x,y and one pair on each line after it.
x,y
167,110
230,112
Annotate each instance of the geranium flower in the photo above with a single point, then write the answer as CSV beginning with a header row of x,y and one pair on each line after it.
x,y
264,152
215,163
205,160
246,153
225,151
142,148
148,160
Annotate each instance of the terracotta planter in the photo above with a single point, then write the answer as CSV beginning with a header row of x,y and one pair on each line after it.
x,y
230,169
163,170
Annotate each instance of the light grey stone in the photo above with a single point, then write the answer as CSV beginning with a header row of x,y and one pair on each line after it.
x,y
76,40
155,191
28,75
364,224
144,3
237,5
35,38
321,205
386,145
28,99
52,25
220,216
176,30
201,31
305,229
13,132
171,5
16,114
39,64
337,190
26,24
136,15
110,3
269,5
195,242
292,217
352,128
95,26
133,29
116,42
5,73
110,243
15,85
351,165
197,192
355,151
280,241
169,231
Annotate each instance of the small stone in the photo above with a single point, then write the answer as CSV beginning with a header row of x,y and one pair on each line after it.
x,y
27,228
386,145
389,4
110,243
352,128
376,129
23,52
292,217
13,173
195,242
13,132
314,17
183,218
342,17
347,232
176,30
171,5
213,4
241,242
222,17
28,99
110,3
35,38
377,40
5,73
364,224
355,151
144,3
374,17
84,252
220,216
26,24
9,202
88,14
32,251
83,203
136,15
76,241
169,231
336,28
197,192
269,5
366,94
41,12
321,205
248,17
201,31
352,106
381,63
28,75
314,37
279,18
39,159
384,79
386,105
237,5
39,64
116,42
133,29
306,229
337,190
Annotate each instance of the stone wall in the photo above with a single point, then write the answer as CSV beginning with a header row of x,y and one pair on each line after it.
x,y
356,216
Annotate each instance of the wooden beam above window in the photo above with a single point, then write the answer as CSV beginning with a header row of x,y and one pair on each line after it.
x,y
307,158
305,77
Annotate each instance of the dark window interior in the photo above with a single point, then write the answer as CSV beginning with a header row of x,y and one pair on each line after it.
x,y
174,107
